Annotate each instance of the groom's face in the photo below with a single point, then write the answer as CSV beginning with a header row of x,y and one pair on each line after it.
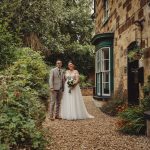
x,y
59,64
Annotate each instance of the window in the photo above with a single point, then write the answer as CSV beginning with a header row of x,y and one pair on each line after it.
x,y
103,72
98,76
106,9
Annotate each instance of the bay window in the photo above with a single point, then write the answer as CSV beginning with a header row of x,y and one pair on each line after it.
x,y
103,72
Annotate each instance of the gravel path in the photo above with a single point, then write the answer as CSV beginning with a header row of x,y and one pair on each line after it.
x,y
92,134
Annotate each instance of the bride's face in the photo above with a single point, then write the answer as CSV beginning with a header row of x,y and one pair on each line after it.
x,y
71,66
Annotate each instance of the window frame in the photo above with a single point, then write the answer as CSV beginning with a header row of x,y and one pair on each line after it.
x,y
106,71
106,11
100,72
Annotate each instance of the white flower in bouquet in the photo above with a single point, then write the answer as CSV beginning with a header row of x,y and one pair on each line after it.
x,y
70,83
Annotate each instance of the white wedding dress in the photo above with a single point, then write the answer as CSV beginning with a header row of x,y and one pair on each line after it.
x,y
72,105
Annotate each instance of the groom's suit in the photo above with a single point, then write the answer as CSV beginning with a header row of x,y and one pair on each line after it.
x,y
56,82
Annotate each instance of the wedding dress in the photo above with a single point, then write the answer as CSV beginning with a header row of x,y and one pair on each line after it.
x,y
72,105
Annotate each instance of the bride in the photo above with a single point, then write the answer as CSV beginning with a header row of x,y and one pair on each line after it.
x,y
73,107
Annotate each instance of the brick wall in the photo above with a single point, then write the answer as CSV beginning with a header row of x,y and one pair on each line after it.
x,y
123,14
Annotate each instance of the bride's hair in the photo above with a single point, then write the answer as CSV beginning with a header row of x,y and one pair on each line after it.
x,y
70,62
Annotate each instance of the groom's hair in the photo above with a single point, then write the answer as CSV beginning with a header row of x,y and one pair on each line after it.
x,y
58,60
70,61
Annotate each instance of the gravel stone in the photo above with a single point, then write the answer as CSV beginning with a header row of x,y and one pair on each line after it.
x,y
99,133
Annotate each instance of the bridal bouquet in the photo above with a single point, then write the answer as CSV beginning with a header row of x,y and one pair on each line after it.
x,y
70,83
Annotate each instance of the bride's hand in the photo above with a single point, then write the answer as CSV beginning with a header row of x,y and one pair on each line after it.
x,y
72,87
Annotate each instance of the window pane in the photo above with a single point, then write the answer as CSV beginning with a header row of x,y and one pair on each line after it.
x,y
106,65
98,84
106,77
98,65
103,72
106,88
96,62
105,53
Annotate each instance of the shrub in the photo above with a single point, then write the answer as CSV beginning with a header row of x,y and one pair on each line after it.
x,y
146,88
21,111
145,103
132,121
80,54
21,117
7,47
30,65
113,107
84,82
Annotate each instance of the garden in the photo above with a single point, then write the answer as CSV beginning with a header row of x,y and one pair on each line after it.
x,y
33,35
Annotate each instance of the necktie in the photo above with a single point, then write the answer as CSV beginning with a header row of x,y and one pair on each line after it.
x,y
59,72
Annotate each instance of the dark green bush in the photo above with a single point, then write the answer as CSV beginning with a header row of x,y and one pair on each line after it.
x,y
21,117
84,82
21,109
145,104
83,58
146,88
132,121
7,47
30,65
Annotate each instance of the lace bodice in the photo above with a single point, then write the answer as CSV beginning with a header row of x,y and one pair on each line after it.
x,y
73,74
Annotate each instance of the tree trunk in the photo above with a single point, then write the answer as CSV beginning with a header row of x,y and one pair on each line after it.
x,y
32,40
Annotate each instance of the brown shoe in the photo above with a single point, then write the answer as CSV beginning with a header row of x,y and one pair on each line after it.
x,y
52,119
58,118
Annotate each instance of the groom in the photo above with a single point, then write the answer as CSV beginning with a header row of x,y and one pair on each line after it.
x,y
56,81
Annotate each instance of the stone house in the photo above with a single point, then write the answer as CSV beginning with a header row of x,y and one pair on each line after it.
x,y
122,48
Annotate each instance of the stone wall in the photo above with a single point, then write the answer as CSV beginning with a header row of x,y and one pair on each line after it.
x,y
122,15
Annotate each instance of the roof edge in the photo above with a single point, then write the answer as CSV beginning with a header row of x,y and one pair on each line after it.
x,y
101,36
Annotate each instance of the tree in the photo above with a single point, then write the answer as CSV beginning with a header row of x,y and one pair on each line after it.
x,y
72,34
63,27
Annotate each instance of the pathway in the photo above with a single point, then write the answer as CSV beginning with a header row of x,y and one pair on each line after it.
x,y
93,134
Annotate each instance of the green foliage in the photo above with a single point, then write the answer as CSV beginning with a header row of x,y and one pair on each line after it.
x,y
64,28
146,100
81,56
145,103
113,107
72,35
21,116
134,122
58,23
132,119
71,24
21,111
146,88
84,82
7,47
30,65
132,54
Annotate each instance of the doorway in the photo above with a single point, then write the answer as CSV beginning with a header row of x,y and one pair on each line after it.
x,y
133,79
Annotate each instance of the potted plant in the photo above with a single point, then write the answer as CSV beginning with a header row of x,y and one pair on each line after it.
x,y
135,54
